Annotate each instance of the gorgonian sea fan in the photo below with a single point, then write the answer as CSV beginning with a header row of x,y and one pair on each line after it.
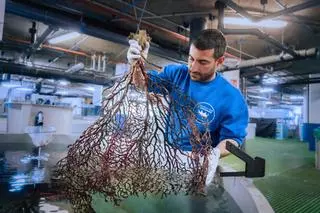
x,y
133,148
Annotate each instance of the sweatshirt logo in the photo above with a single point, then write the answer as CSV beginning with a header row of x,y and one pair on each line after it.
x,y
204,112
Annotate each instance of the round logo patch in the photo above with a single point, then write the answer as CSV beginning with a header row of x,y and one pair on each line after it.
x,y
204,112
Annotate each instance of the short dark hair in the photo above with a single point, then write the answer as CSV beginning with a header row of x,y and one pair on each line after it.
x,y
211,39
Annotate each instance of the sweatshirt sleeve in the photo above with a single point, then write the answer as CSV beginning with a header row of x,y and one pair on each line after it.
x,y
162,82
235,121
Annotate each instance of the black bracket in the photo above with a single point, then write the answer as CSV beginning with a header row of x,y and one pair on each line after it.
x,y
255,167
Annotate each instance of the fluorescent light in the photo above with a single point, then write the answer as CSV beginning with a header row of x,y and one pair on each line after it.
x,y
264,90
29,64
246,22
24,89
10,85
270,80
63,82
64,37
293,97
286,102
90,89
297,111
62,93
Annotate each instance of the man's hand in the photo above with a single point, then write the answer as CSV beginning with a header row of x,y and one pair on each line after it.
x,y
222,146
212,164
135,51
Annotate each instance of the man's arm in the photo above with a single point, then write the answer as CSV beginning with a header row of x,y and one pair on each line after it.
x,y
234,125
222,147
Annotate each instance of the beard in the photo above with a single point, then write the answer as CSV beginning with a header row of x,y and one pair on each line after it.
x,y
201,77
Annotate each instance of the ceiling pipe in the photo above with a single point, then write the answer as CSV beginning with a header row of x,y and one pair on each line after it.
x,y
73,52
285,11
71,48
21,69
62,20
297,74
302,54
289,10
258,71
261,35
177,15
104,9
59,19
39,42
43,37
250,73
152,14
297,19
220,6
196,25
301,81
75,68
50,47
283,6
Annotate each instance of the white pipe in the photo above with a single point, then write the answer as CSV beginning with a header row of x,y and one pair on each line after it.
x,y
2,11
302,54
99,63
93,62
75,68
104,63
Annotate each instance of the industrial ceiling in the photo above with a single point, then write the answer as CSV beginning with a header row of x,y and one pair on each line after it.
x,y
268,57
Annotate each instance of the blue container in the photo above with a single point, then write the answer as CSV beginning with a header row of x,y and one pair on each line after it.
x,y
307,134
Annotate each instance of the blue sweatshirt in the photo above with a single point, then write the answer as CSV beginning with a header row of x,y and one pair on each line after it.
x,y
216,104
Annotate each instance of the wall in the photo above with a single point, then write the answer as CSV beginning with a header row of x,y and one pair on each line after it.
x,y
233,77
314,103
22,115
3,92
259,112
75,104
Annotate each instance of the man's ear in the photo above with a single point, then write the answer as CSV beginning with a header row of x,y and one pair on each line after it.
x,y
220,61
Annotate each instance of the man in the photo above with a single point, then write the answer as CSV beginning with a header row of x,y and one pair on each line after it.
x,y
218,102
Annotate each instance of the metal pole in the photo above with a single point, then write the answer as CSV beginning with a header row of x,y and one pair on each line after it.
x,y
2,12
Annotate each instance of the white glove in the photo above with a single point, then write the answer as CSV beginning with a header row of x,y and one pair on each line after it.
x,y
212,164
213,160
135,51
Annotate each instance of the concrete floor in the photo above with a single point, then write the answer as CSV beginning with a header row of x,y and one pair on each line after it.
x,y
291,183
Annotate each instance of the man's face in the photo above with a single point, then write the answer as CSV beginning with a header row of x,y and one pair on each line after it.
x,y
202,65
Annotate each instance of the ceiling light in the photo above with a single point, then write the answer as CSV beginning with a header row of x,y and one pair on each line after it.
x,y
296,97
64,37
297,111
269,80
25,89
29,64
90,89
265,90
246,22
62,93
63,82
10,85
268,102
